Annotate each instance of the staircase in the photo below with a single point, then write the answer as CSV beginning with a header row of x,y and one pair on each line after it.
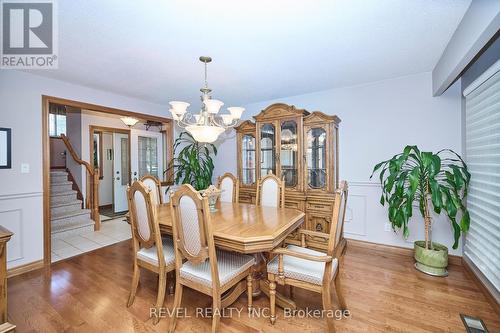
x,y
67,216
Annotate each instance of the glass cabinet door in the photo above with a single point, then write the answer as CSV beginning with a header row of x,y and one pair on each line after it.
x,y
316,158
248,159
288,153
267,149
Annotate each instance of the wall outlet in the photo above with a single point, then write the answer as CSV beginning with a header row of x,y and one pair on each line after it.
x,y
25,168
388,227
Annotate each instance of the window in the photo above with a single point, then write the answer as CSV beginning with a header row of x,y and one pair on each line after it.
x,y
57,120
148,156
482,132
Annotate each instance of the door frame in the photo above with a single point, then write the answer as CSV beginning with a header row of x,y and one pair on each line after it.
x,y
104,129
46,100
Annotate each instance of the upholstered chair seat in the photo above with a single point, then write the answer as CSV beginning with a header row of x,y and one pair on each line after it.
x,y
229,265
302,269
150,255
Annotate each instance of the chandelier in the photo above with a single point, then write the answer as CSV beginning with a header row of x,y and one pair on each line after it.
x,y
208,124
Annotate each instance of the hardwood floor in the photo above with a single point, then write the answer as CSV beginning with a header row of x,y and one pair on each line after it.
x,y
383,291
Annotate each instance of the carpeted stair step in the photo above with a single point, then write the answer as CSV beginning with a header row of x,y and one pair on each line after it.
x,y
57,198
61,187
76,226
62,207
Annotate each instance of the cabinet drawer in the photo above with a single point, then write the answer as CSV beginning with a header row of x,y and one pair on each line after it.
x,y
320,206
294,204
318,222
245,198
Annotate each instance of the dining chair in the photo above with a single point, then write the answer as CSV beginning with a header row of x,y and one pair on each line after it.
x,y
230,187
154,185
299,266
150,250
199,265
271,191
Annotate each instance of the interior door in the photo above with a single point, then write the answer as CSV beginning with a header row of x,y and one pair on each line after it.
x,y
121,175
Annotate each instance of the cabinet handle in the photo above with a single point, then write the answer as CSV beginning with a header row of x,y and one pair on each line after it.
x,y
318,206
319,227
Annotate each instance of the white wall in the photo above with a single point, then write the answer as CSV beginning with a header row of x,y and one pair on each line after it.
x,y
74,134
378,120
21,194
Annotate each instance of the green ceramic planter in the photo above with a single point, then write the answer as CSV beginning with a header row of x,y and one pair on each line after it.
x,y
432,261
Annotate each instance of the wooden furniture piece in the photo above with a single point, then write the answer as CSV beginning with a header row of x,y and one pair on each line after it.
x,y
309,269
250,229
150,250
271,191
230,187
5,236
154,185
299,147
205,269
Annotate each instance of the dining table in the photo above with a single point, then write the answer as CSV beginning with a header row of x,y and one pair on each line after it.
x,y
249,229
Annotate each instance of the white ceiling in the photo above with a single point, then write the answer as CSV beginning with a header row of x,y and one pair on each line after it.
x,y
261,49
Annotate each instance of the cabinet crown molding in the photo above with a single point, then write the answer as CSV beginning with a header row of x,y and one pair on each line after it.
x,y
318,116
280,110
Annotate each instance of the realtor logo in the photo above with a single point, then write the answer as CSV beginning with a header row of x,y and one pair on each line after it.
x,y
29,39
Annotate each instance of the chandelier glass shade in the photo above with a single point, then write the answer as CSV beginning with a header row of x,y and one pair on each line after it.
x,y
207,125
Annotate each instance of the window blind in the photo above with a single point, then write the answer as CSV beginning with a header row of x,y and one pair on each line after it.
x,y
482,144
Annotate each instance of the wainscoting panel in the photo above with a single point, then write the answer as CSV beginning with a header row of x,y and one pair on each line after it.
x,y
13,220
366,220
22,213
355,215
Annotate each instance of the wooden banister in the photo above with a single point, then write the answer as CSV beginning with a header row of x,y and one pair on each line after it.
x,y
92,184
75,157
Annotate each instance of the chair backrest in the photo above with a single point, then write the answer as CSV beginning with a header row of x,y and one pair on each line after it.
x,y
190,214
143,219
271,191
154,185
338,216
229,186
192,229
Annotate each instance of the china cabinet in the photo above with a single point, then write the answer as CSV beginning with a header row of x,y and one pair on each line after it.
x,y
299,147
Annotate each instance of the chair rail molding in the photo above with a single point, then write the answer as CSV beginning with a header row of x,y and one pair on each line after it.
x,y
20,195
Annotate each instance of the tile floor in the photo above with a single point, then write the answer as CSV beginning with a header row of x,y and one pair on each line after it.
x,y
112,231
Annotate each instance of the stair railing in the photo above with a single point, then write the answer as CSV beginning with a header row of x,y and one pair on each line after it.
x,y
92,184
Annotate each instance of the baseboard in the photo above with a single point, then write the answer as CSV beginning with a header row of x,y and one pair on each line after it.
x,y
474,273
452,259
25,268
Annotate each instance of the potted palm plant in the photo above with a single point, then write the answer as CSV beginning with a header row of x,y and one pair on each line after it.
x,y
428,181
194,165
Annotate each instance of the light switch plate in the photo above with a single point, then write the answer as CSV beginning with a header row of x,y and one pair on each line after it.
x,y
25,168
388,227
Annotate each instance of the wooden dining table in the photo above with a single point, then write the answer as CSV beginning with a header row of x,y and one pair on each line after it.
x,y
249,229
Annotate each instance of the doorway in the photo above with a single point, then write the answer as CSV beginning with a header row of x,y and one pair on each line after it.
x,y
110,150
167,140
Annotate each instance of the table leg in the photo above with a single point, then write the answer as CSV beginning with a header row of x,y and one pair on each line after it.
x,y
258,273
232,295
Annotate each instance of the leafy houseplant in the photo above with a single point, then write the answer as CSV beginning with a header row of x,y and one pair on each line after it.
x,y
439,181
193,164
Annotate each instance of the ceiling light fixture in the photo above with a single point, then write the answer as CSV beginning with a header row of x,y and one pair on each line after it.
x,y
207,125
129,121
